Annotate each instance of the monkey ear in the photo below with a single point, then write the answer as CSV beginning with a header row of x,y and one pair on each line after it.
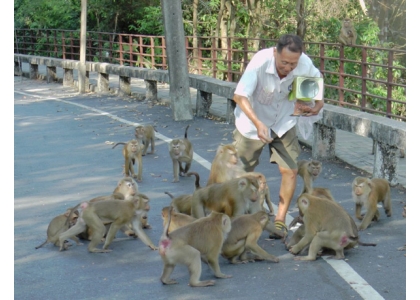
x,y
67,213
220,149
242,182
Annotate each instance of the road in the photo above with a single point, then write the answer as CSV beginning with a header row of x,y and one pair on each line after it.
x,y
63,155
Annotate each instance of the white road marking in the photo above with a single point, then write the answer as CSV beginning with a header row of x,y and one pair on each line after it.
x,y
362,287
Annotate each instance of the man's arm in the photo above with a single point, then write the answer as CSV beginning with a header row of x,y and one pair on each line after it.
x,y
246,107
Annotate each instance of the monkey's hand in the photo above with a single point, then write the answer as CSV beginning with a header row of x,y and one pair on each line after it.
x,y
153,247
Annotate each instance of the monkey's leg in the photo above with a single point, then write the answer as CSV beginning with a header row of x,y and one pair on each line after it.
x,y
193,261
127,166
269,204
76,239
111,234
367,219
141,234
377,215
146,145
316,245
187,167
214,265
175,170
98,231
181,169
153,146
79,227
304,241
167,271
358,211
251,244
387,205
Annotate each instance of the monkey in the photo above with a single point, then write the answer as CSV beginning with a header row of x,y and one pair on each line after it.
x,y
187,245
232,197
327,225
403,248
126,189
119,212
182,203
348,34
146,134
177,219
369,192
243,237
58,225
309,170
181,151
226,165
132,153
263,191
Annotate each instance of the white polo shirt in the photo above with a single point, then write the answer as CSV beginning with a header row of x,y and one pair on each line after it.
x,y
268,94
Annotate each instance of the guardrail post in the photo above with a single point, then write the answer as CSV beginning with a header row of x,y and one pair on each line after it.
x,y
33,71
203,104
103,82
230,118
68,79
18,68
151,91
323,144
385,162
125,89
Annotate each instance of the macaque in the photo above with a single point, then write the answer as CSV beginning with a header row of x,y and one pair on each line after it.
x,y
187,245
348,34
60,224
132,153
243,237
263,191
181,151
369,192
118,212
177,219
327,225
232,197
226,165
126,189
146,134
309,170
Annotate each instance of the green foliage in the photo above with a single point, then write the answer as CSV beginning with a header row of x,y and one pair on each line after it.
x,y
151,23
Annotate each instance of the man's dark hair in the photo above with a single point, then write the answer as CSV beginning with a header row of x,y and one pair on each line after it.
x,y
292,42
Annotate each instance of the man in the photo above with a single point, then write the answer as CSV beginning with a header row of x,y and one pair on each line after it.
x,y
263,113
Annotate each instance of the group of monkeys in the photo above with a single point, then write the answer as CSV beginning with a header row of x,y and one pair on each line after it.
x,y
226,217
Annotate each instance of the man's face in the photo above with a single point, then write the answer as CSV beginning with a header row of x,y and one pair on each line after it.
x,y
286,61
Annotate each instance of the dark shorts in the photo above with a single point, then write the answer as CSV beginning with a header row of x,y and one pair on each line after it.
x,y
284,151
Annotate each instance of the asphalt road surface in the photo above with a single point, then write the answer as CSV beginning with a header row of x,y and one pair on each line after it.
x,y
63,155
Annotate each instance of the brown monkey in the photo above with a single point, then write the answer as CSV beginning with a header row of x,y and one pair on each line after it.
x,y
186,245
181,151
177,219
232,197
119,212
309,170
369,192
146,134
263,191
132,153
182,203
348,34
126,189
243,237
226,165
60,224
327,225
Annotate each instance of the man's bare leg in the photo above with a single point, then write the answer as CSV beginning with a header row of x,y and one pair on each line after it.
x,y
287,189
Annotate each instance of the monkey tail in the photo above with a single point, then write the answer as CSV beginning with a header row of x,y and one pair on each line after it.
x,y
186,129
37,247
154,127
118,144
197,179
169,194
166,229
366,244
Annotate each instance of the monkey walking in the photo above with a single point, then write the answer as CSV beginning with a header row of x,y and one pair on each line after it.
x,y
132,153
146,134
186,245
181,152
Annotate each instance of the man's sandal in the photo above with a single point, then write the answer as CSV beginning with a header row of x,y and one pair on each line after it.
x,y
281,227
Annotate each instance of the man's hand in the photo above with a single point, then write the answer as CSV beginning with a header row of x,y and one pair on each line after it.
x,y
263,133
